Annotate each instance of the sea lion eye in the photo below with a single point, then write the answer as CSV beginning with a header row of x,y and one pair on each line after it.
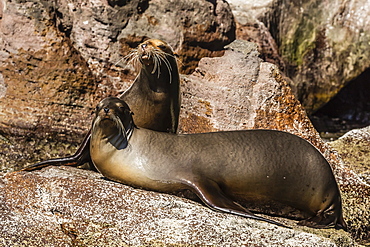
x,y
121,108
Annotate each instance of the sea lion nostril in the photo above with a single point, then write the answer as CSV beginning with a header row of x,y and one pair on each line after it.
x,y
106,110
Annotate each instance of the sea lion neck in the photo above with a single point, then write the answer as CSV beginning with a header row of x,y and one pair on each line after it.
x,y
160,77
107,128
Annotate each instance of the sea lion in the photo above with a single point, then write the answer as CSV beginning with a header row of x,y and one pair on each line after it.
x,y
224,169
154,96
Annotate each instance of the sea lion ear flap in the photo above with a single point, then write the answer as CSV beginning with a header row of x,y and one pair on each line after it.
x,y
132,120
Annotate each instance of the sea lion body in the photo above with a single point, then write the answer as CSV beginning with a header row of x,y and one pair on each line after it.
x,y
221,167
154,96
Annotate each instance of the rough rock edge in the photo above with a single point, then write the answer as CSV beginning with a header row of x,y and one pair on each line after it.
x,y
81,208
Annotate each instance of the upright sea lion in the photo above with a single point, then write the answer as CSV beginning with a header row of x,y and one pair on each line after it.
x,y
154,96
225,169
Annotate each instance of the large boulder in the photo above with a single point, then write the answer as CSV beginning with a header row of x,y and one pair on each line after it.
x,y
62,196
250,20
74,207
323,44
240,91
59,58
320,46
101,30
354,149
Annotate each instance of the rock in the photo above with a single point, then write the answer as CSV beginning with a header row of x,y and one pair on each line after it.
x,y
349,109
250,26
354,150
72,207
240,91
324,45
59,58
47,87
258,97
320,46
102,31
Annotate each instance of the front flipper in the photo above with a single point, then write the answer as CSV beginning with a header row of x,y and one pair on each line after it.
x,y
211,194
81,156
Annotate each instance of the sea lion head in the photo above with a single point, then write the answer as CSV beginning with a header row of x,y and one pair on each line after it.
x,y
155,56
151,49
113,121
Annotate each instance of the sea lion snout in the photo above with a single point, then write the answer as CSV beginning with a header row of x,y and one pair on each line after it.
x,y
106,110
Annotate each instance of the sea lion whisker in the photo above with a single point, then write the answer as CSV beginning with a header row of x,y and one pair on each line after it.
x,y
156,65
96,121
127,59
164,57
134,59
115,64
122,137
136,62
129,56
160,64
176,57
167,63
158,61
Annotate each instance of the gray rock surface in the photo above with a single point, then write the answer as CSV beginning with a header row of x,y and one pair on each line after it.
x,y
100,29
324,45
321,46
354,149
72,207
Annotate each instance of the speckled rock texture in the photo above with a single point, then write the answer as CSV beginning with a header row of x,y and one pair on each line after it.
x,y
354,149
101,29
251,25
59,58
73,207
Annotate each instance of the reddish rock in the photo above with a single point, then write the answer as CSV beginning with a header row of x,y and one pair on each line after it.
x,y
240,91
59,58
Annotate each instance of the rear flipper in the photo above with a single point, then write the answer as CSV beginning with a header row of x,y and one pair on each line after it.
x,y
326,219
79,158
211,194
